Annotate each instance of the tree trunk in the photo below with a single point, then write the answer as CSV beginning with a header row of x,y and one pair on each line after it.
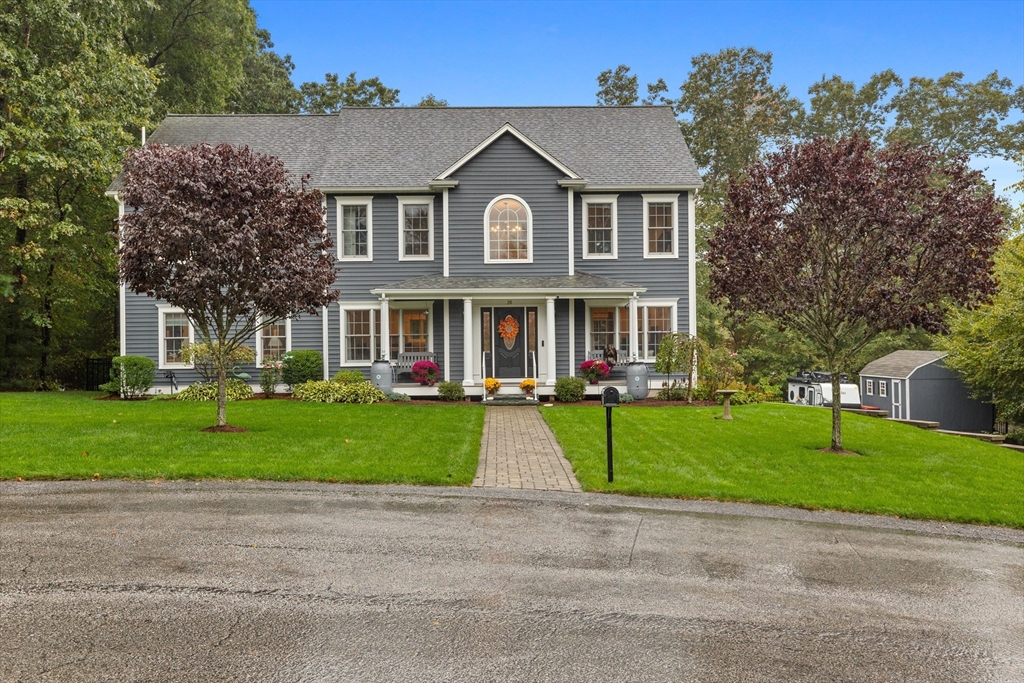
x,y
222,395
837,411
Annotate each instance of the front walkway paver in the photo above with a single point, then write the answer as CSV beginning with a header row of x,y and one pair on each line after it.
x,y
518,451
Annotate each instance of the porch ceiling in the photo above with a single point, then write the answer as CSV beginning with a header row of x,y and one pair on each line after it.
x,y
580,284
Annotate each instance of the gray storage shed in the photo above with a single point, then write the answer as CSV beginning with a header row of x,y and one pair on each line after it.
x,y
917,385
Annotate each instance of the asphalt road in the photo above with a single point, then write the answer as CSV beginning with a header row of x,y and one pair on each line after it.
x,y
184,582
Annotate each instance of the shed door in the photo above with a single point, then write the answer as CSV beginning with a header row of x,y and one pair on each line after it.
x,y
897,403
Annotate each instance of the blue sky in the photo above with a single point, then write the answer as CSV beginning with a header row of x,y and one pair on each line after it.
x,y
549,53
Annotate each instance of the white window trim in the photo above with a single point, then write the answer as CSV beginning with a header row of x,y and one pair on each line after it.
x,y
375,307
343,324
588,327
641,333
341,201
402,203
641,305
662,199
162,311
287,340
883,388
869,387
612,199
487,231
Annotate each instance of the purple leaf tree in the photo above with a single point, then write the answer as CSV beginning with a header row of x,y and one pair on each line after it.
x,y
226,234
841,241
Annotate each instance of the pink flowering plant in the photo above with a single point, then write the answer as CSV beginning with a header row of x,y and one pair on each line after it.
x,y
425,372
270,377
595,370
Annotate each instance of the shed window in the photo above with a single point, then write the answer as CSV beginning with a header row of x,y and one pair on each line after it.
x,y
869,387
882,386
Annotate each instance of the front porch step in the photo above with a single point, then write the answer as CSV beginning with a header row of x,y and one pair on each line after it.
x,y
509,400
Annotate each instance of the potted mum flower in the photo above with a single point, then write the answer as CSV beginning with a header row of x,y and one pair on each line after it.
x,y
425,372
595,370
527,386
492,385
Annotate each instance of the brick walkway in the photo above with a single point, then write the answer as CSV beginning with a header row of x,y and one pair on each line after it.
x,y
518,451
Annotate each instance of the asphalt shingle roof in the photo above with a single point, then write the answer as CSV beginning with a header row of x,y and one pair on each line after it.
x,y
899,364
408,147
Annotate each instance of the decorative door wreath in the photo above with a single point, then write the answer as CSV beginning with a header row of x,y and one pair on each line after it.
x,y
509,330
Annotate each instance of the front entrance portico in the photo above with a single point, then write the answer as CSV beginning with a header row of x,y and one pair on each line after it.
x,y
508,325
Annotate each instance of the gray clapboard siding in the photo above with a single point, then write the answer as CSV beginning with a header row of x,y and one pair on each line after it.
x,y
663,277
142,336
507,166
455,332
562,338
357,278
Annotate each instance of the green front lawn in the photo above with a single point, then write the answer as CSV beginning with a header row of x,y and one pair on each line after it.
x,y
768,454
71,436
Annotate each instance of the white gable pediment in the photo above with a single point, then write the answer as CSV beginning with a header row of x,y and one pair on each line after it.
x,y
511,130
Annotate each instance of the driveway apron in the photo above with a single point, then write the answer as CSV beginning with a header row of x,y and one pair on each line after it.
x,y
518,451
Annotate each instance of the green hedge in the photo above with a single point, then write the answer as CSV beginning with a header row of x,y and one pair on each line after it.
x,y
570,389
450,391
302,366
131,376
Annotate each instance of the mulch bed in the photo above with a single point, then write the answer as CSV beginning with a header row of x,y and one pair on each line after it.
x,y
115,397
225,428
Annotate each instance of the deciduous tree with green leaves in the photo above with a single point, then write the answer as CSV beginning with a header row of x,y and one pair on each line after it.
x,y
333,94
69,97
841,242
986,345
257,255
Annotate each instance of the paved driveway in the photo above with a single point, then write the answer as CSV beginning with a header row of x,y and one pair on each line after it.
x,y
186,582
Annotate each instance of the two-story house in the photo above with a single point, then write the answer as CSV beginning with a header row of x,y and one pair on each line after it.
x,y
506,242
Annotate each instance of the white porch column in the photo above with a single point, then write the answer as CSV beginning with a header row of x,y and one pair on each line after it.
x,y
634,349
467,342
385,329
447,342
551,341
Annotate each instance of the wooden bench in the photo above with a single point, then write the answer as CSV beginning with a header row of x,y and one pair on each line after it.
x,y
991,438
410,358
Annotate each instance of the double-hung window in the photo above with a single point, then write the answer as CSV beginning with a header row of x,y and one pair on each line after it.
x,y
882,387
355,228
869,387
600,216
609,327
661,234
176,332
416,224
653,324
361,339
273,341
360,334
